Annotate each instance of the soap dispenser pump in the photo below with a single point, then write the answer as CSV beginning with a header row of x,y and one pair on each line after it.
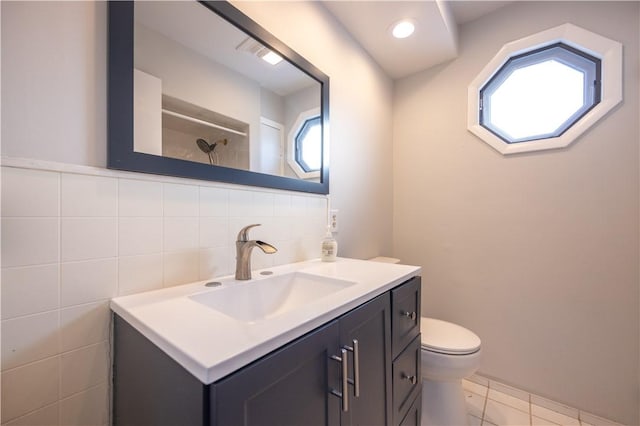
x,y
329,247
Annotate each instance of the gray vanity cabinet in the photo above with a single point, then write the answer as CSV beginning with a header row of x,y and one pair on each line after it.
x,y
301,383
290,387
287,387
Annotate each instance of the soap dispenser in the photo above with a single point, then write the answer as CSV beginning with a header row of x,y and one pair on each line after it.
x,y
329,247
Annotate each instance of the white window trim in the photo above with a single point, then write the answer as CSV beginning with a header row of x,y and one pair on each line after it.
x,y
608,51
291,145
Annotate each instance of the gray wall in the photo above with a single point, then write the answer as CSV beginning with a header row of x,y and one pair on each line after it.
x,y
537,253
361,115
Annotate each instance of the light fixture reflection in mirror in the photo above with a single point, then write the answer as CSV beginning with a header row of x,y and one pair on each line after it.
x,y
213,83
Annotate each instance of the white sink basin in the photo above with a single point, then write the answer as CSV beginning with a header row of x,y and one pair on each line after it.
x,y
263,298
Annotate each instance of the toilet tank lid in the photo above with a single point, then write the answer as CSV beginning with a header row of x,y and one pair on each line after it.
x,y
445,337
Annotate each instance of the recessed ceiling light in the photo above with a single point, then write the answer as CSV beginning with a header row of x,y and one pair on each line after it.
x,y
272,57
403,29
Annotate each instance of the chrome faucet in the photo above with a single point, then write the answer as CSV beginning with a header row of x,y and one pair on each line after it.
x,y
243,252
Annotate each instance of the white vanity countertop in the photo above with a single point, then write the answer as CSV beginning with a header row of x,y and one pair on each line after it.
x,y
211,345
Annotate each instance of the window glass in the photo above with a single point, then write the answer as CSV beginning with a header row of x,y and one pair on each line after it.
x,y
308,145
540,94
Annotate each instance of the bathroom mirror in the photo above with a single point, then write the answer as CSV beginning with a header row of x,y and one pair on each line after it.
x,y
192,94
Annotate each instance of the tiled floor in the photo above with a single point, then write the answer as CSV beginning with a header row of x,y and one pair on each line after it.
x,y
492,403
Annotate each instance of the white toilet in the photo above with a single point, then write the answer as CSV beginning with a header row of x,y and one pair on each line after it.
x,y
449,354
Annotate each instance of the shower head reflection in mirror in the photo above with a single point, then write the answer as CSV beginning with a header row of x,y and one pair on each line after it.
x,y
209,149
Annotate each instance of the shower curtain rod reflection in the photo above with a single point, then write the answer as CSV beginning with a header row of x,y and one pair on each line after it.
x,y
203,122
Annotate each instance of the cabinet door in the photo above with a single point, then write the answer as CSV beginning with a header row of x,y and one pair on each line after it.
x,y
288,387
370,325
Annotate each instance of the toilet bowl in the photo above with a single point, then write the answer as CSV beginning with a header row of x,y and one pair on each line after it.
x,y
449,353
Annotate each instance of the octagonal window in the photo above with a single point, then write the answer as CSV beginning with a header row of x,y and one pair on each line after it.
x,y
540,94
545,90
308,145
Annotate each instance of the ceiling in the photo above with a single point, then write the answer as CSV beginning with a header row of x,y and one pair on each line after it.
x,y
434,41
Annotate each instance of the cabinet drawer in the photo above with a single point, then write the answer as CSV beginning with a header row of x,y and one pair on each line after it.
x,y
405,314
407,380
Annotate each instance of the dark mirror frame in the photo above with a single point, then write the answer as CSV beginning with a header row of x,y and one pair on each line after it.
x,y
120,152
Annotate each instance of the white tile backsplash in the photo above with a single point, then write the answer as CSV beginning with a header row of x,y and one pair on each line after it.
x,y
86,408
87,238
214,201
29,241
286,252
180,233
19,187
181,267
214,232
139,198
93,196
139,235
83,368
282,205
240,203
29,338
180,200
47,416
262,204
88,281
298,205
29,290
84,325
215,262
29,388
139,273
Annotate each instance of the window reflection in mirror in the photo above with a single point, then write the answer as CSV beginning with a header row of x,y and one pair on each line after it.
x,y
205,92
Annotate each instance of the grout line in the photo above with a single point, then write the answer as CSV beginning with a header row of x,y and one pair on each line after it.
x,y
92,387
530,412
59,330
33,411
484,406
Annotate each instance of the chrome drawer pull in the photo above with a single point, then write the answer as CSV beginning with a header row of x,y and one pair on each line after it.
x,y
411,315
356,367
344,395
411,379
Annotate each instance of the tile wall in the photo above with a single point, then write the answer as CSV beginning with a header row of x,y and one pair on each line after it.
x,y
72,240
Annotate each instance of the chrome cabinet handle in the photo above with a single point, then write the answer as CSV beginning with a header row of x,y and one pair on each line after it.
x,y
344,395
410,315
412,379
356,367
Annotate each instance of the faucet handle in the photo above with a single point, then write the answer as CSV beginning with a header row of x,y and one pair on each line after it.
x,y
243,235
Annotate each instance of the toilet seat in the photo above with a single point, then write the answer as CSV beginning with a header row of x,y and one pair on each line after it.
x,y
446,338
